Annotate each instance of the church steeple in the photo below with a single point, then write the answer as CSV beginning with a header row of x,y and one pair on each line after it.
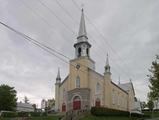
x,y
107,66
58,78
82,46
82,34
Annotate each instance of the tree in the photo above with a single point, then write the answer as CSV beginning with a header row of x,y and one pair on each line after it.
x,y
7,98
26,100
35,108
150,105
143,105
154,80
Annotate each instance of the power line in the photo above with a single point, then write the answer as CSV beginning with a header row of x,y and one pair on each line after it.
x,y
103,37
35,42
43,4
65,10
38,14
51,26
50,10
56,16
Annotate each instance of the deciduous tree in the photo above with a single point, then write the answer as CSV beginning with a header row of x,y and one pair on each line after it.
x,y
7,98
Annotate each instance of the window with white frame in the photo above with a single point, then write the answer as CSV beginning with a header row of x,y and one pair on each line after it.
x,y
78,82
113,97
118,99
98,88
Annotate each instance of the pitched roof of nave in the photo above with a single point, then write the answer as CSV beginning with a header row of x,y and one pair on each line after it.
x,y
64,79
127,86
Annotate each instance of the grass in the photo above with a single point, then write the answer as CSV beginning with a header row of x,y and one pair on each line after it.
x,y
92,117
36,118
153,114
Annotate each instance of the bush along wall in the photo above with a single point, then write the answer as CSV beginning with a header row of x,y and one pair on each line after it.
x,y
102,111
23,114
9,114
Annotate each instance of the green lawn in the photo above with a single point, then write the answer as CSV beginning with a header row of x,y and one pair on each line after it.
x,y
36,118
91,117
153,114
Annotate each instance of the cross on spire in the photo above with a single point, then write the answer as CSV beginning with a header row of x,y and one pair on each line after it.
x,y
107,60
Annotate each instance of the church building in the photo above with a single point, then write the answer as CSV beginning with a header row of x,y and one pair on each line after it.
x,y
83,87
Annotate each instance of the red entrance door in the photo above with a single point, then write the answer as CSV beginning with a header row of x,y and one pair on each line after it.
x,y
76,103
97,104
63,107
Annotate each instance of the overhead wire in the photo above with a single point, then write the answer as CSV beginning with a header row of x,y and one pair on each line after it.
x,y
66,26
66,11
101,34
43,4
35,42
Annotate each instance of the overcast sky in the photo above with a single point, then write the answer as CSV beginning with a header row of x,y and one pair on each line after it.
x,y
127,29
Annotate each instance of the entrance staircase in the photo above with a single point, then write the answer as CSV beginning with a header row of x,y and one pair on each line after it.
x,y
74,115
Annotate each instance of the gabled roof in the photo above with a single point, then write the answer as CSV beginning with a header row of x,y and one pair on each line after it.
x,y
64,80
127,86
119,87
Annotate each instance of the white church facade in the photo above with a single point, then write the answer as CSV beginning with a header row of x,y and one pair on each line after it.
x,y
83,87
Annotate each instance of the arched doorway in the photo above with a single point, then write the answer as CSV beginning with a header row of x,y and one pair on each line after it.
x,y
63,107
76,103
97,103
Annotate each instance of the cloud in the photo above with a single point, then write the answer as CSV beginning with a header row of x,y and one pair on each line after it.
x,y
130,30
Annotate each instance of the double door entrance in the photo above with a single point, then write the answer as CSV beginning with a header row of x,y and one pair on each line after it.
x,y
77,103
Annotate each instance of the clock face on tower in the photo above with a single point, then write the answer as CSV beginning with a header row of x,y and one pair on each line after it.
x,y
77,66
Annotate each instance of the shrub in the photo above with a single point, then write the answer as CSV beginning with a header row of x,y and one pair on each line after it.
x,y
102,111
23,114
9,114
136,115
44,114
146,116
29,114
35,114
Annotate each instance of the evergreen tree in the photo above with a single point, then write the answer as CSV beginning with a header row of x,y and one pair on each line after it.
x,y
153,95
7,98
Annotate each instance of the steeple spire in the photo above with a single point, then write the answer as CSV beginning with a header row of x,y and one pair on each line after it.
x,y
82,34
107,60
82,47
107,66
119,80
58,78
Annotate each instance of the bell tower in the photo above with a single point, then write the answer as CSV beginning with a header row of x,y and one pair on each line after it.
x,y
80,65
82,47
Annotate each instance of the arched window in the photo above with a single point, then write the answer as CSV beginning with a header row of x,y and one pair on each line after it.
x,y
78,82
98,88
79,52
87,51
64,94
113,97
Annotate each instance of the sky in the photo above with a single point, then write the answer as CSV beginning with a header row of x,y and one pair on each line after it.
x,y
128,30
